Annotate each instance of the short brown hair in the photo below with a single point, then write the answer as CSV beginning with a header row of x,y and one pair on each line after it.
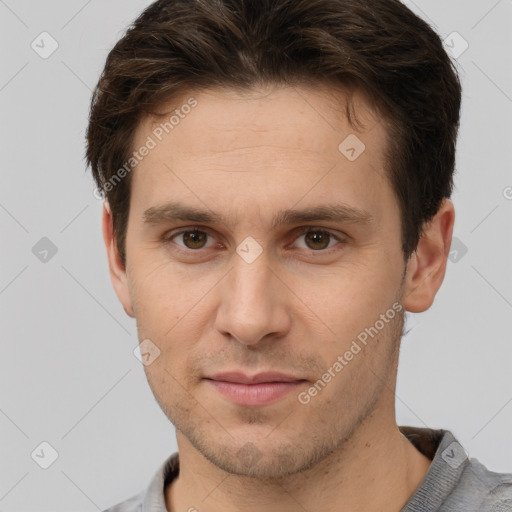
x,y
380,48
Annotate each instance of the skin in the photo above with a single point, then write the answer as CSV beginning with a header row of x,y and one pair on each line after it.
x,y
294,309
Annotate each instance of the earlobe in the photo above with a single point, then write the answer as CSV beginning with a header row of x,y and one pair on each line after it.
x,y
426,267
116,268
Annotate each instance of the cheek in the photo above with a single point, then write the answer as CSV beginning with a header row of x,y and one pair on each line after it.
x,y
170,311
170,388
347,299
163,290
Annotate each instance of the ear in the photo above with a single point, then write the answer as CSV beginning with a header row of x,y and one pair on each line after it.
x,y
427,265
116,267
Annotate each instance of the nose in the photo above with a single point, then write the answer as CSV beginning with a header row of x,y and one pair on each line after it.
x,y
252,303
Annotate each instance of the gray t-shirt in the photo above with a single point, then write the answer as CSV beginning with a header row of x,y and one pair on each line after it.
x,y
454,482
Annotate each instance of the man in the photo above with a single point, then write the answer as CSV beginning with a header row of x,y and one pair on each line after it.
x,y
277,177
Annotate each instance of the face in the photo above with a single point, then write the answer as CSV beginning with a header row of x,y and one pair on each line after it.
x,y
255,243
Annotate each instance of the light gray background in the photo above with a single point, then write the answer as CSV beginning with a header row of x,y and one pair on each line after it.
x,y
68,375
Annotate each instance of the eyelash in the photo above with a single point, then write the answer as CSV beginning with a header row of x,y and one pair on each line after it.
x,y
168,238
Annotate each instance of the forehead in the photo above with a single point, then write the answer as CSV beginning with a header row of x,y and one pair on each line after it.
x,y
229,115
271,139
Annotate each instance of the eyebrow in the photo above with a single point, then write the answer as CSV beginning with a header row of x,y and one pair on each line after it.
x,y
175,211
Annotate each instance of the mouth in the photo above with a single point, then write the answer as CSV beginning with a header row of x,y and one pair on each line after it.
x,y
256,390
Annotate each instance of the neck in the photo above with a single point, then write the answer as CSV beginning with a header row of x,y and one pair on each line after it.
x,y
377,469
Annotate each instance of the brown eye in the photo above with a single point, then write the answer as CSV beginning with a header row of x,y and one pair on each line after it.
x,y
317,240
194,239
191,243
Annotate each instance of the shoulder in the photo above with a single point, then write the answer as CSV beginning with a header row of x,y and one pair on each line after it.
x,y
153,497
133,504
494,489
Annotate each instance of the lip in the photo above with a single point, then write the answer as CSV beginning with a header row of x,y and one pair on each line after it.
x,y
241,378
256,390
